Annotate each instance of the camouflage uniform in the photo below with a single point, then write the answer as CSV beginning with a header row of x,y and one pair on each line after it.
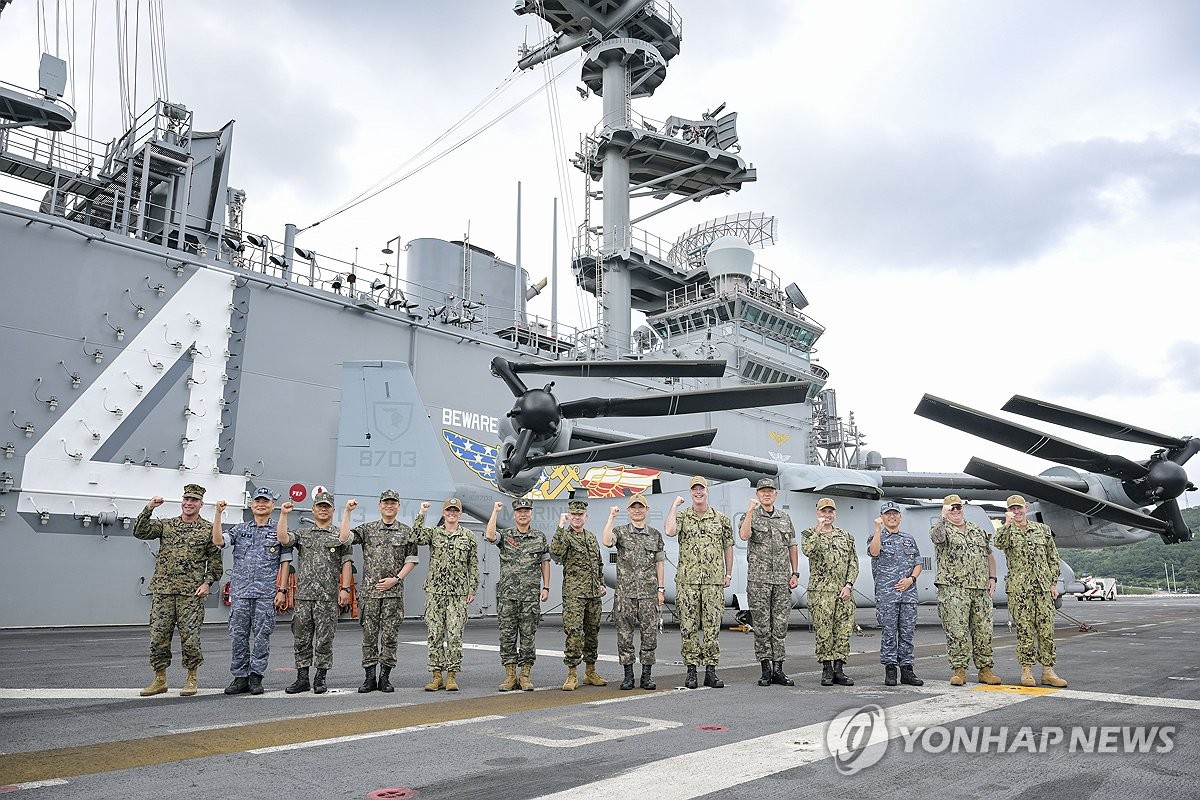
x,y
639,550
832,563
517,595
317,584
186,558
896,611
964,605
700,583
768,574
583,574
386,549
1032,571
256,557
453,575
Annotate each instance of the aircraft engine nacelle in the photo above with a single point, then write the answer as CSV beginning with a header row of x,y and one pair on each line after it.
x,y
1072,529
520,484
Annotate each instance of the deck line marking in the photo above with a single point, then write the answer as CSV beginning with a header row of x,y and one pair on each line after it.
x,y
372,735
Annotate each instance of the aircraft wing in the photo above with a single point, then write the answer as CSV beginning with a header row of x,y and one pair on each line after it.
x,y
716,465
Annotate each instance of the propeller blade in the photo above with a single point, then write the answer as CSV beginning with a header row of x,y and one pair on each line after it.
x,y
502,368
518,460
625,369
1027,440
623,450
1178,530
1069,499
665,405
1090,423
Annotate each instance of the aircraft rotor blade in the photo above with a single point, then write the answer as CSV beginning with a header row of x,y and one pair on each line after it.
x,y
503,369
1027,440
1069,499
1090,423
673,368
623,450
1169,513
665,405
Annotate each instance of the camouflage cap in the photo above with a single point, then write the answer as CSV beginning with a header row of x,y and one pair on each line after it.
x,y
194,491
953,500
767,483
522,502
577,506
263,493
389,494
453,502
890,506
636,498
698,480
325,497
1015,500
826,502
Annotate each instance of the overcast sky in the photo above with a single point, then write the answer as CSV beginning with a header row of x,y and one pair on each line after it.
x,y
979,199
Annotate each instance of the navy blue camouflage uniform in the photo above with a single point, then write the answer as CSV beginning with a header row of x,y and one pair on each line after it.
x,y
896,611
256,557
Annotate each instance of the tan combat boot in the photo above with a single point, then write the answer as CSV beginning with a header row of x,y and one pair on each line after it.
x,y
510,678
572,682
591,678
435,682
190,685
526,683
451,682
987,676
959,677
157,686
1027,675
1050,678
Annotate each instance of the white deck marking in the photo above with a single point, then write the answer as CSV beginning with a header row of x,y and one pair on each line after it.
x,y
33,784
598,734
288,718
372,735
1126,699
495,648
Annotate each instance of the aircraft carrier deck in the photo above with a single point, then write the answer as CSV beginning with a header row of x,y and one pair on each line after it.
x,y
72,725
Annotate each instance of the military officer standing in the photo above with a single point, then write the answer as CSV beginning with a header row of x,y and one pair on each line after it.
x,y
1032,587
449,588
701,577
321,582
966,581
895,565
574,546
524,583
256,566
388,557
640,587
832,570
186,567
771,562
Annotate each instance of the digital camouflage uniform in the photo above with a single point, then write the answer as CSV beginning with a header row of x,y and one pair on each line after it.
x,y
453,575
386,549
639,551
256,557
700,583
768,573
518,593
583,575
896,611
832,563
186,558
318,579
964,605
1032,571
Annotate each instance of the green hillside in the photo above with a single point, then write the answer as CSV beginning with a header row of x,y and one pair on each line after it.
x,y
1142,564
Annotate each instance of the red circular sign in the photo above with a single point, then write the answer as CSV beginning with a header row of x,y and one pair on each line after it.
x,y
298,492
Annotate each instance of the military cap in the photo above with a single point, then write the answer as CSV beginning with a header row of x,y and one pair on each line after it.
x,y
698,480
767,483
953,500
194,491
577,506
389,494
263,492
1015,500
826,502
325,497
890,506
522,502
637,498
453,502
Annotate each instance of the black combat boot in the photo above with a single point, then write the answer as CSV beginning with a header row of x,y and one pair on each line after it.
x,y
385,683
628,682
238,686
690,682
319,686
711,679
827,673
647,681
840,677
369,685
256,683
908,677
301,683
767,673
889,675
779,677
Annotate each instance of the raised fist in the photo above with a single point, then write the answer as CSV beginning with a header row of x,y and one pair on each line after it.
x,y
221,506
612,512
878,523
287,507
425,507
1008,517
155,502
678,502
351,504
496,508
754,504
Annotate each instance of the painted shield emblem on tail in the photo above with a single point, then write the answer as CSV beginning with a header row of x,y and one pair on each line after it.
x,y
392,419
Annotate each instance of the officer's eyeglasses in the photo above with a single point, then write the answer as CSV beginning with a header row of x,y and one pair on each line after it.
x,y
956,508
